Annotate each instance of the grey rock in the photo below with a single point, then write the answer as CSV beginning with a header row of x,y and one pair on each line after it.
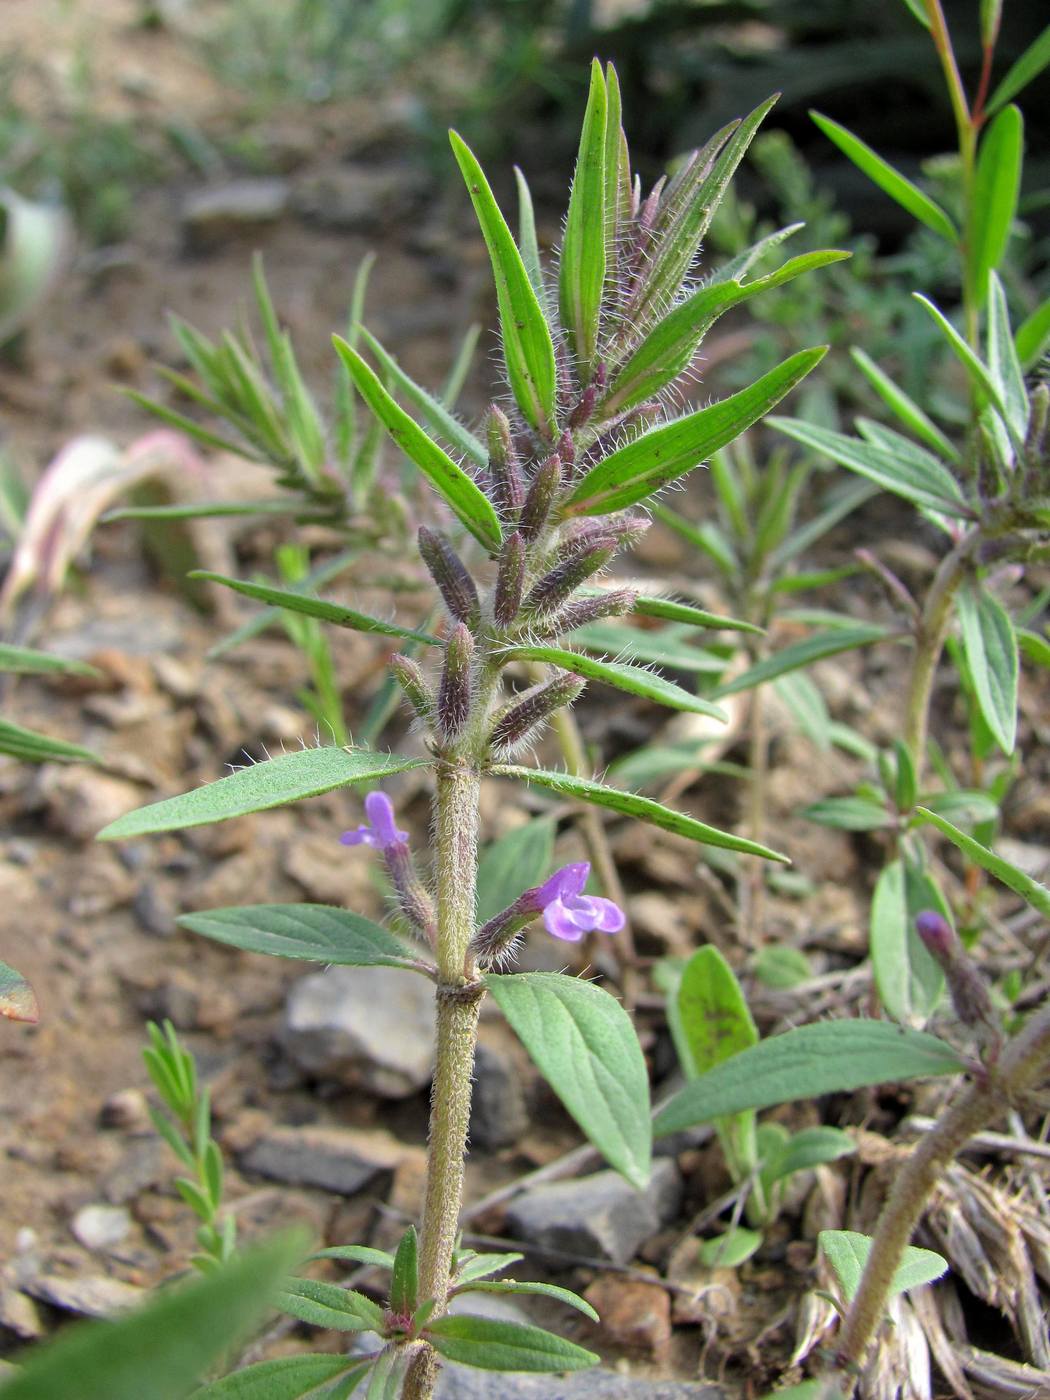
x,y
156,910
366,1027
356,198
146,1163
19,1314
599,1216
335,1159
91,1296
466,1383
101,1226
217,215
498,1114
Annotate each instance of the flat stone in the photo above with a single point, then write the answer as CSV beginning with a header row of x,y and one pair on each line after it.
x,y
365,1027
91,1296
101,1226
80,801
335,1159
356,198
466,1383
223,213
633,1313
19,1314
599,1216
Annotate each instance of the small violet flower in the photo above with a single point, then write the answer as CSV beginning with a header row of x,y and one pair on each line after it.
x,y
380,830
568,913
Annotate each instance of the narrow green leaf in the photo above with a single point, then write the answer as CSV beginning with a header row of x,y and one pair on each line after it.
x,y
804,653
617,175
517,861
481,1265
25,661
631,804
1003,361
357,1254
736,268
931,484
388,1375
918,9
581,278
908,195
962,804
328,1305
404,1280
583,1043
31,747
324,573
190,428
292,600
160,1351
847,1253
1035,646
1031,891
853,813
546,1290
312,932
1032,336
527,345
207,510
258,787
909,981
670,611
505,1346
990,647
17,999
827,1058
432,410
286,1378
906,409
636,680
974,367
670,451
667,646
530,250
1030,64
812,1147
997,184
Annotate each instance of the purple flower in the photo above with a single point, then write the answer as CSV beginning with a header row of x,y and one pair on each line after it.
x,y
380,829
568,913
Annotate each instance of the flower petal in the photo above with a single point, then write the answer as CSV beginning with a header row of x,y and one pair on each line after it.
x,y
560,922
608,916
361,836
380,812
563,884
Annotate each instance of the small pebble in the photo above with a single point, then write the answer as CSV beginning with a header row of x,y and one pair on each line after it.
x,y
101,1227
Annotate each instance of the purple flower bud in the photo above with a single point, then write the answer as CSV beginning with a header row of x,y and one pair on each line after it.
x,y
541,496
380,829
966,986
453,707
937,935
410,678
508,491
566,449
510,580
555,587
451,576
583,610
521,719
584,406
568,913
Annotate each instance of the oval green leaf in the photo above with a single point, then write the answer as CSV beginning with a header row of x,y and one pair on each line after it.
x,y
505,1346
286,1378
328,1305
847,1253
997,184
990,647
583,1043
312,932
828,1058
462,495
631,804
636,680
259,787
908,979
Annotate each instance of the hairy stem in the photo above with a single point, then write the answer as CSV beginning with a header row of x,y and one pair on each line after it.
x,y
1018,1068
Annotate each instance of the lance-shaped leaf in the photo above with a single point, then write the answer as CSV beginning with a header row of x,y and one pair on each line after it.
x,y
544,1290
670,347
827,1058
504,1346
31,747
908,195
1004,363
328,1305
634,679
288,1378
1030,64
1031,891
463,496
527,241
924,482
908,979
990,647
670,610
997,184
583,1043
25,661
210,510
258,787
805,653
906,409
581,273
17,999
527,345
291,600
617,175
632,804
313,932
679,238
432,410
847,1253
1032,336
974,366
666,453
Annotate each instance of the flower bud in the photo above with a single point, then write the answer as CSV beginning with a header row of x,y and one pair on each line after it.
x,y
508,491
418,693
566,449
541,496
521,719
453,706
557,586
966,986
510,580
451,576
412,897
583,610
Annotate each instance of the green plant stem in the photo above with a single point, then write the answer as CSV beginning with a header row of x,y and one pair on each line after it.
x,y
1019,1067
930,635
